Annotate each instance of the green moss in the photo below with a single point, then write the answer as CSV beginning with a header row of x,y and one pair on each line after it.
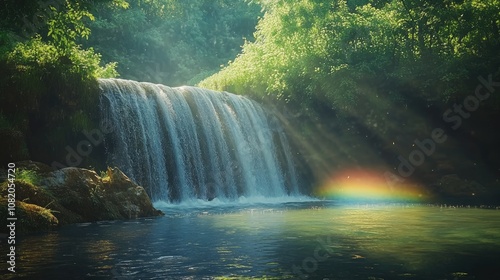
x,y
75,195
29,193
28,176
30,217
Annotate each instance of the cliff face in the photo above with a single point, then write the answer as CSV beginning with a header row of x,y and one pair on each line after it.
x,y
47,199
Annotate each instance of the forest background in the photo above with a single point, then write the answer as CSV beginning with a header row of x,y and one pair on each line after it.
x,y
358,84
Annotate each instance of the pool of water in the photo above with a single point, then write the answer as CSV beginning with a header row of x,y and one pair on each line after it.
x,y
295,240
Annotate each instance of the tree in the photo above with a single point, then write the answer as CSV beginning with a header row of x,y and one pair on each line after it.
x,y
172,42
47,77
327,49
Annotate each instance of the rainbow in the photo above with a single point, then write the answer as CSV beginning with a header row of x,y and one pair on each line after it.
x,y
368,185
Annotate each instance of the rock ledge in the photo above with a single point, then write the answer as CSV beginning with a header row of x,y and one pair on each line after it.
x,y
48,199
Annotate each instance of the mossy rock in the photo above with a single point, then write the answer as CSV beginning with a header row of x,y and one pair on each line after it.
x,y
30,217
80,191
35,218
94,198
73,195
130,200
31,194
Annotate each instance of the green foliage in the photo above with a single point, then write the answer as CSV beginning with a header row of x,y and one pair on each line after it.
x,y
37,68
172,42
104,175
50,59
362,79
36,57
66,25
47,79
33,53
28,176
332,51
35,63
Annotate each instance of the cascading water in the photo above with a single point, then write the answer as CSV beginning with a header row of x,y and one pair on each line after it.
x,y
191,143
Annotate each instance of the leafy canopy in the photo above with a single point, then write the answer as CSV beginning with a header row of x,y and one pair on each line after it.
x,y
329,52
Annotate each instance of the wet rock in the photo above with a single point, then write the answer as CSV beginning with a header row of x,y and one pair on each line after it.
x,y
30,217
130,200
94,198
73,195
28,193
80,191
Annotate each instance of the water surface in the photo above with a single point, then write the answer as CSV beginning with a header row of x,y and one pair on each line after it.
x,y
303,240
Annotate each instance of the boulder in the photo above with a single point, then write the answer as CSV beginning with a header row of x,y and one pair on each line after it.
x,y
30,217
85,193
80,191
130,200
73,195
28,193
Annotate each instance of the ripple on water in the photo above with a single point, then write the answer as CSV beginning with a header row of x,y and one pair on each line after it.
x,y
381,241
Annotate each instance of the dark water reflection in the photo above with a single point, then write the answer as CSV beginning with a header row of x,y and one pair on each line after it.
x,y
314,240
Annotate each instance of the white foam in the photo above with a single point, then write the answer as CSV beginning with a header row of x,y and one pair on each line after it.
x,y
241,201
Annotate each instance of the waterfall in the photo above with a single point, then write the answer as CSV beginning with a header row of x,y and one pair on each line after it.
x,y
191,143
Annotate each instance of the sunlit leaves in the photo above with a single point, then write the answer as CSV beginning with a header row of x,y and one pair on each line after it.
x,y
331,49
33,52
37,56
67,25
